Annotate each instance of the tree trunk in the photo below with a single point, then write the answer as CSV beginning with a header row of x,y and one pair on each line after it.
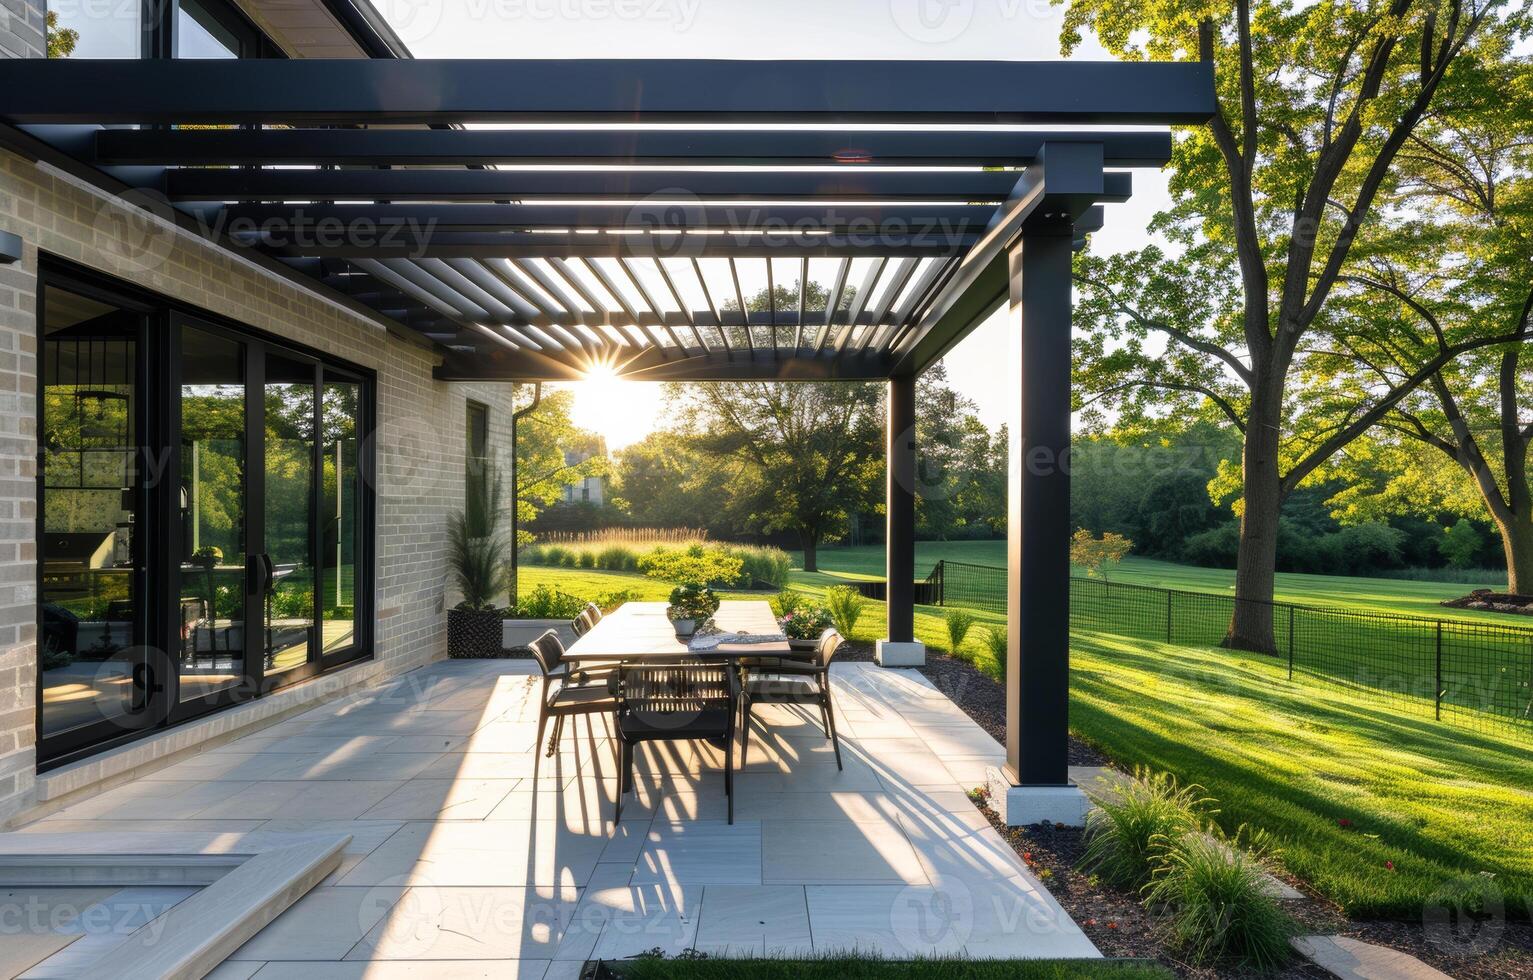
x,y
1517,540
1256,564
811,558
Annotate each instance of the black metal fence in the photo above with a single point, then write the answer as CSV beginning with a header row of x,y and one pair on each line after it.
x,y
1474,674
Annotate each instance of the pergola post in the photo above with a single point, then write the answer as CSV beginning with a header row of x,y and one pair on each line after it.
x,y
1035,783
899,648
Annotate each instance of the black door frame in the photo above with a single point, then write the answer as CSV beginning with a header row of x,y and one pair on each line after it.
x,y
158,379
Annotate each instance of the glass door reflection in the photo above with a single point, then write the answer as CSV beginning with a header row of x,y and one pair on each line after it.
x,y
341,540
214,456
91,666
289,500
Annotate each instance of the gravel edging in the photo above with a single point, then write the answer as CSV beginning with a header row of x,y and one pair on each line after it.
x,y
1120,926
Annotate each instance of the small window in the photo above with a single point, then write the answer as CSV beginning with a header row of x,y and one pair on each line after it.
x,y
477,478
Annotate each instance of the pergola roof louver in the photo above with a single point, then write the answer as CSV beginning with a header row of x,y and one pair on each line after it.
x,y
892,242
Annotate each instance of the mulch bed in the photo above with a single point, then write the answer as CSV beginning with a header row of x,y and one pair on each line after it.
x,y
1116,921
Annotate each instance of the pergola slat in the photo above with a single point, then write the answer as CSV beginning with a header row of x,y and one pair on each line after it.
x,y
606,147
405,242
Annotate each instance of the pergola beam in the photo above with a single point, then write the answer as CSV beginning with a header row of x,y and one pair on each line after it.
x,y
1064,184
501,365
208,184
631,147
419,91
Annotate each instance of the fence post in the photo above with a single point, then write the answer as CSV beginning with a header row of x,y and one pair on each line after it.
x,y
1290,642
1437,696
1169,595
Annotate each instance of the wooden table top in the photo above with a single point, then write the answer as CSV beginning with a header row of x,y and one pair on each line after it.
x,y
640,631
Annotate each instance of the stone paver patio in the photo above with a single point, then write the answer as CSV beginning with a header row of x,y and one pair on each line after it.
x,y
471,856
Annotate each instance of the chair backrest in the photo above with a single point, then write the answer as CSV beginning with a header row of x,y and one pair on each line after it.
x,y
672,696
595,612
825,650
548,651
582,623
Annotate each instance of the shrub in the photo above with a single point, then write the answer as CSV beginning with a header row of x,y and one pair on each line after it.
x,y
1217,906
586,559
845,604
546,603
609,601
785,602
1132,819
996,643
959,622
617,558
768,565
696,565
534,554
555,555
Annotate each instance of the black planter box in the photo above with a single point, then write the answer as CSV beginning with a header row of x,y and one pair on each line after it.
x,y
474,634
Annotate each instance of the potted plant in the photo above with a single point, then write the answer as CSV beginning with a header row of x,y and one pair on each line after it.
x,y
691,606
803,623
476,555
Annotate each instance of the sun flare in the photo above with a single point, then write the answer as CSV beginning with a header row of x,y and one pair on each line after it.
x,y
622,412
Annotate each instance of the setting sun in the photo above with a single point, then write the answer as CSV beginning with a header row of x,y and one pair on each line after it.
x,y
622,412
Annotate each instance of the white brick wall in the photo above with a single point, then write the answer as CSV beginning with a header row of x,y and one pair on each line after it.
x,y
420,439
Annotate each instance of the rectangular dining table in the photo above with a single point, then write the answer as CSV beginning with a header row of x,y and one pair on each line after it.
x,y
639,631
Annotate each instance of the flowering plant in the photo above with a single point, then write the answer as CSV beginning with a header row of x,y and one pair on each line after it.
x,y
805,622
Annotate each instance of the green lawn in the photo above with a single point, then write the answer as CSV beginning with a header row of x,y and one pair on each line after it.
x,y
1290,757
1365,594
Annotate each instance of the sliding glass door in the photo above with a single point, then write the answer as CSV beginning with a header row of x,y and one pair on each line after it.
x,y
204,517
270,530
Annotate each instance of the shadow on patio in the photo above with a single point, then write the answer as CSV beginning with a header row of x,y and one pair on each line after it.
x,y
467,846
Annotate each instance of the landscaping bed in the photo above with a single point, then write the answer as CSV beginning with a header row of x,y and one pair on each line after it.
x,y
1119,924
867,968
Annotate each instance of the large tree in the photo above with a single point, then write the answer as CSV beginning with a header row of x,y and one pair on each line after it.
x,y
1457,264
807,455
1315,105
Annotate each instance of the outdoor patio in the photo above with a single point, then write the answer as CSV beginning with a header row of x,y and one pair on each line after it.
x,y
466,846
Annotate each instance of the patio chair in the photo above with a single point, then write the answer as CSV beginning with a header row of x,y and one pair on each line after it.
x,y
795,682
675,702
588,617
579,692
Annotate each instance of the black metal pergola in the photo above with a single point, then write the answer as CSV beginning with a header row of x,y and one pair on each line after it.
x,y
538,220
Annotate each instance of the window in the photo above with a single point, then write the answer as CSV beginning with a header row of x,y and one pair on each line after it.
x,y
478,480
160,29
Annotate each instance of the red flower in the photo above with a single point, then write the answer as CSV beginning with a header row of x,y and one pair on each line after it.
x,y
1027,856
1390,865
1112,925
1091,922
1343,822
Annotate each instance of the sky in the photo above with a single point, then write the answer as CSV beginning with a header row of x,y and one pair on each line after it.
x,y
1022,30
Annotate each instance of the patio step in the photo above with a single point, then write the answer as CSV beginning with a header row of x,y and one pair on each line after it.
x,y
192,937
1352,959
